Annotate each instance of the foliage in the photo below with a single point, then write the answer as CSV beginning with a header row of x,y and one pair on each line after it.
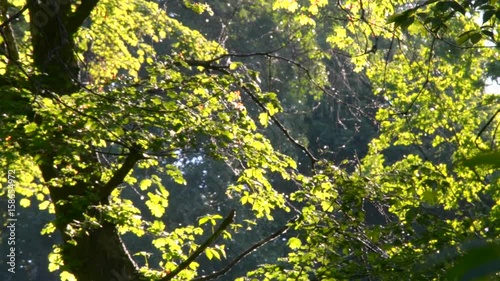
x,y
114,117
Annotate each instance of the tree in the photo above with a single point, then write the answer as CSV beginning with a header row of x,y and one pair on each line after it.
x,y
78,141
110,106
413,171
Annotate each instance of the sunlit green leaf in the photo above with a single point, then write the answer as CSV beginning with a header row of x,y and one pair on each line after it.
x,y
294,243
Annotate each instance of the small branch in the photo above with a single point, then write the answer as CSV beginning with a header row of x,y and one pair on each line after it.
x,y
254,247
121,173
7,33
78,17
281,127
223,69
225,223
492,118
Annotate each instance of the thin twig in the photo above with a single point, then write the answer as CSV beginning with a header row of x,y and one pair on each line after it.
x,y
14,16
485,127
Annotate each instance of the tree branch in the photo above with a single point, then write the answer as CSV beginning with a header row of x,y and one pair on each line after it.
x,y
129,163
225,223
257,245
224,69
81,13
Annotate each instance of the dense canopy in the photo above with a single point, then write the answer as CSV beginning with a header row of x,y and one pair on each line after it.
x,y
250,140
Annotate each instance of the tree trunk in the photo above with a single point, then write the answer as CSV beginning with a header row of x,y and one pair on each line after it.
x,y
53,44
96,253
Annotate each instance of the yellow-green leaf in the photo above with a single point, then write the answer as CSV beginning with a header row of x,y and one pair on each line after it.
x,y
294,243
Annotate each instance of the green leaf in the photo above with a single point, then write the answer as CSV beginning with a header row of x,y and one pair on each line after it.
x,y
66,276
48,229
457,7
156,204
462,38
477,263
478,3
294,243
44,205
119,131
264,119
397,18
429,196
491,159
403,19
497,14
145,184
443,6
176,174
488,33
156,209
235,65
487,15
216,254
157,226
407,22
410,215
25,202
210,253
31,127
90,125
203,220
436,23
475,37
156,100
